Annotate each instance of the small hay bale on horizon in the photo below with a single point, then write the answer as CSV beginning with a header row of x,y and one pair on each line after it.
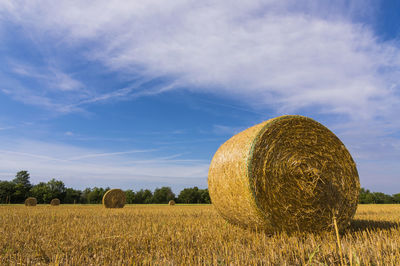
x,y
30,201
55,202
171,202
289,173
114,198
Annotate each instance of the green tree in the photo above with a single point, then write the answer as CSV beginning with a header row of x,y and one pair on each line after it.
x,y
363,196
388,199
84,195
370,198
22,178
143,196
205,196
148,196
130,196
380,198
194,195
189,195
396,198
72,196
45,192
56,189
7,190
96,195
40,192
22,186
163,195
367,197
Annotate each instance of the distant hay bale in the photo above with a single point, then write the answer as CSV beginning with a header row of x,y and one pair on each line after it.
x,y
171,202
55,202
289,173
31,201
114,198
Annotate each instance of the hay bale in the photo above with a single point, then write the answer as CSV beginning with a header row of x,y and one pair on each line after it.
x,y
171,202
289,173
31,201
55,202
114,198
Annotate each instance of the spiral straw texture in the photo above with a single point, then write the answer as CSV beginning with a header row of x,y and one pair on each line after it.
x,y
31,201
55,202
171,202
289,173
114,198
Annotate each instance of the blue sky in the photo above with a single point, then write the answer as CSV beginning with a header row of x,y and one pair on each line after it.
x,y
141,94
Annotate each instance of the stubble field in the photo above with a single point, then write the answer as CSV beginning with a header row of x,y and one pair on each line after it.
x,y
184,235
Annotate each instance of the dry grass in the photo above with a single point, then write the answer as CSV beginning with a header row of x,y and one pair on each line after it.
x,y
184,235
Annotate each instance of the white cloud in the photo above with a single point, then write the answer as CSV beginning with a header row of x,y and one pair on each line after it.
x,y
77,166
288,55
47,87
53,78
107,154
6,128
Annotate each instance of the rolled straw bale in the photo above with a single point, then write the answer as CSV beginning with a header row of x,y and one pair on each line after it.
x,y
114,198
31,201
55,202
289,173
171,202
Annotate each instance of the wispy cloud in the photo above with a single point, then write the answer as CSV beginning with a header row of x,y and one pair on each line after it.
x,y
31,97
53,78
291,57
79,166
46,86
107,154
5,128
50,88
31,155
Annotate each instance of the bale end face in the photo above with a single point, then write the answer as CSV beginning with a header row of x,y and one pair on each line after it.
x,y
114,198
171,202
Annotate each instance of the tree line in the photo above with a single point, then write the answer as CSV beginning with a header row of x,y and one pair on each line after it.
x,y
368,197
17,190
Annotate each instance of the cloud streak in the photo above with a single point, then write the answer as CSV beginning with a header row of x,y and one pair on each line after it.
x,y
79,166
288,56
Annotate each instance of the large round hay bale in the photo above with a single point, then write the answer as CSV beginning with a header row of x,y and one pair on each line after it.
x,y
31,201
55,202
114,198
171,202
289,173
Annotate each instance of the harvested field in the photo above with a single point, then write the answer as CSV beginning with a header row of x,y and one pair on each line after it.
x,y
184,235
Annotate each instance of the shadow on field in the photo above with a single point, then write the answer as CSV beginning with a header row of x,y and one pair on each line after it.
x,y
362,225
